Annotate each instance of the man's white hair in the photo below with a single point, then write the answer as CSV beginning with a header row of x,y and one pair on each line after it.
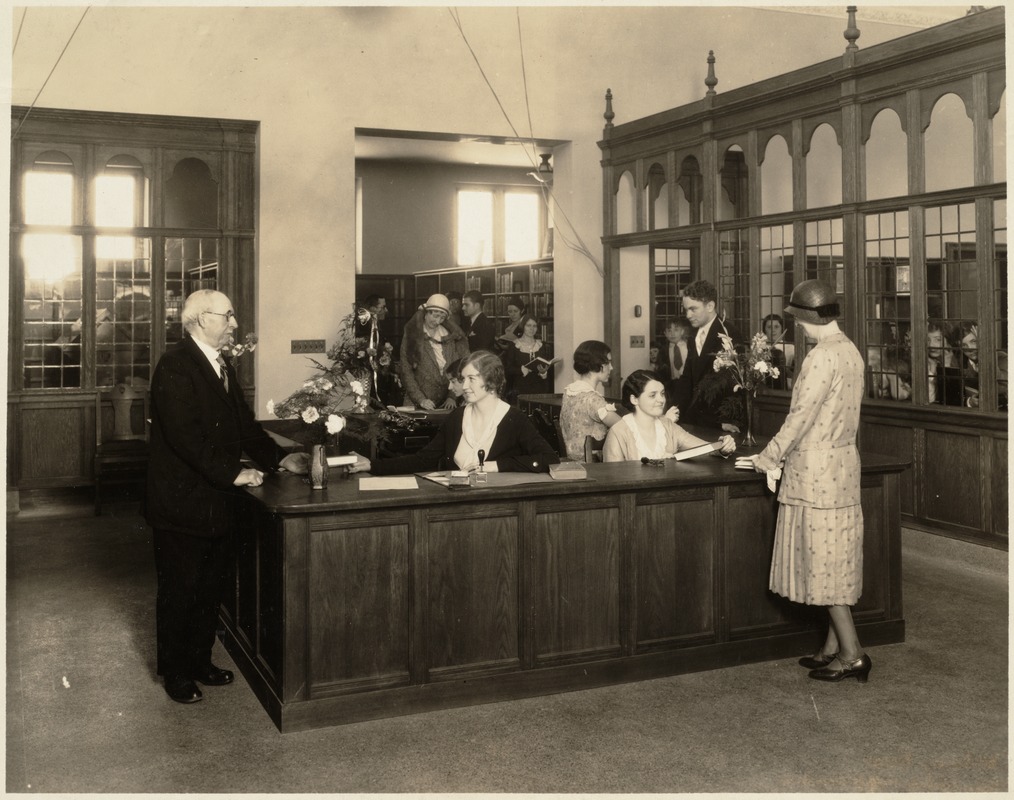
x,y
195,304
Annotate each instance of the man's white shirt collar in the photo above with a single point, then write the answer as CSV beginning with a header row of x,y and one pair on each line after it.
x,y
211,354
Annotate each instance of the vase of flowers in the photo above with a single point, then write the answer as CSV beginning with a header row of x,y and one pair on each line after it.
x,y
337,399
750,367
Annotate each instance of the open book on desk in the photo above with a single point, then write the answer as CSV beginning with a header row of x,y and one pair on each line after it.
x,y
700,450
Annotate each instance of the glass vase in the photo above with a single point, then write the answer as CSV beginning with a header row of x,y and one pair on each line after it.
x,y
748,437
318,467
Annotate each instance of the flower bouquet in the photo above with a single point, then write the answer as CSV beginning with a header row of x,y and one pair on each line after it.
x,y
236,350
337,398
749,368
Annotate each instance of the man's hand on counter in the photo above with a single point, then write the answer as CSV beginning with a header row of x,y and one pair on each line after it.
x,y
249,477
297,463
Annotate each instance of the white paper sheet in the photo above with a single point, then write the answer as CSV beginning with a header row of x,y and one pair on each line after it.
x,y
400,482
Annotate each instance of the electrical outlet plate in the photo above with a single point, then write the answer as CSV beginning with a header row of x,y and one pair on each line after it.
x,y
637,341
308,346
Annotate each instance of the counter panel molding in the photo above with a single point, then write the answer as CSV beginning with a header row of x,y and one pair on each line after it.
x,y
348,605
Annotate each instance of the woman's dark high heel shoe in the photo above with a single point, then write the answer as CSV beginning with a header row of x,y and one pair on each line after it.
x,y
858,669
810,662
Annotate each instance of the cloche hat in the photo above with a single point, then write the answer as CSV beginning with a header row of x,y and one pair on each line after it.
x,y
813,301
438,302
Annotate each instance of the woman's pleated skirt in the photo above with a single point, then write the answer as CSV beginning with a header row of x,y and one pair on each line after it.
x,y
818,555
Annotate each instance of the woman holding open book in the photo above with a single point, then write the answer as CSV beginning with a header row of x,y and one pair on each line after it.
x,y
648,433
528,362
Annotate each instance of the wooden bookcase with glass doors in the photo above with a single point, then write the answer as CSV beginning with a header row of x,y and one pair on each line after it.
x,y
115,218
883,172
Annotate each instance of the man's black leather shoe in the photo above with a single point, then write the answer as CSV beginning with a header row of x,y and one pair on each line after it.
x,y
213,676
182,689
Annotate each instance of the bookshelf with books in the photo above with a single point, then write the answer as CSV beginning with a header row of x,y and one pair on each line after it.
x,y
531,281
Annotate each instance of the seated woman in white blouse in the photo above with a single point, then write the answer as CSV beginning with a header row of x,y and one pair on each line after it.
x,y
485,422
648,433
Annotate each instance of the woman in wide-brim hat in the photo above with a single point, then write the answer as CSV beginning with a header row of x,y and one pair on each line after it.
x,y
429,343
818,550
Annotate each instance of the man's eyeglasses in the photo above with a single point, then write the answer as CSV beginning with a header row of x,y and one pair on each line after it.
x,y
228,314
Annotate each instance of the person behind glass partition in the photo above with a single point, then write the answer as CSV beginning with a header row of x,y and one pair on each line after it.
x,y
647,432
817,557
941,366
584,410
968,343
485,422
783,353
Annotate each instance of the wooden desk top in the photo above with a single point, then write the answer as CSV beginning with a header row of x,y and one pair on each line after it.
x,y
284,493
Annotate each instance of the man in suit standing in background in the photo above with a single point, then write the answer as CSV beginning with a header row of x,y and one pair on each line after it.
x,y
700,301
200,428
478,327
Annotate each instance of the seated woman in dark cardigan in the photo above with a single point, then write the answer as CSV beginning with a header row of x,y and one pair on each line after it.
x,y
485,422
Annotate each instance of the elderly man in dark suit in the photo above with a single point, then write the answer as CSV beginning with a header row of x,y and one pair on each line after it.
x,y
700,301
200,428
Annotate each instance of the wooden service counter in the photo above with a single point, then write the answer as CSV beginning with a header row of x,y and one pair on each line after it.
x,y
352,605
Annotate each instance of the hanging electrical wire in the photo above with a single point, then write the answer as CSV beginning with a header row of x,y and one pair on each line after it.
x,y
50,75
18,35
576,244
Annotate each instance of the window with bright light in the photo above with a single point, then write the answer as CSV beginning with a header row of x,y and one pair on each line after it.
x,y
475,228
521,226
498,224
101,281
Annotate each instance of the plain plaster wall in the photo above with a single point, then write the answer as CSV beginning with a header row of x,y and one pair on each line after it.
x,y
311,75
409,211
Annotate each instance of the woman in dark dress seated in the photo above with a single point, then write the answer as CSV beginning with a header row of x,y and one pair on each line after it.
x,y
485,422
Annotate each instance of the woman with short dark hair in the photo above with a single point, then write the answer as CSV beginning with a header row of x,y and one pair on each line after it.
x,y
584,411
524,375
647,432
485,422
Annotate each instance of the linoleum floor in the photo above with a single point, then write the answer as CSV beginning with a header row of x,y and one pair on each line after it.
x,y
85,712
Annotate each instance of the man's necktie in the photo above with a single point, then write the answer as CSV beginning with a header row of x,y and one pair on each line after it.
x,y
222,373
677,359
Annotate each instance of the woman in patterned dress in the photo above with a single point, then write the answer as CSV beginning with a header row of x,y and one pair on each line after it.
x,y
584,411
818,550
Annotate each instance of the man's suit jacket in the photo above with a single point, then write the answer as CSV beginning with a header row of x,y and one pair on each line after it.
x,y
198,434
699,366
481,333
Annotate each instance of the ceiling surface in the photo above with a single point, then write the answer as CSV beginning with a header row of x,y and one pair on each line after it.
x,y
453,148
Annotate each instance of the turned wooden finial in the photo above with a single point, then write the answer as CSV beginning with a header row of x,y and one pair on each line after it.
x,y
851,32
711,81
609,109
